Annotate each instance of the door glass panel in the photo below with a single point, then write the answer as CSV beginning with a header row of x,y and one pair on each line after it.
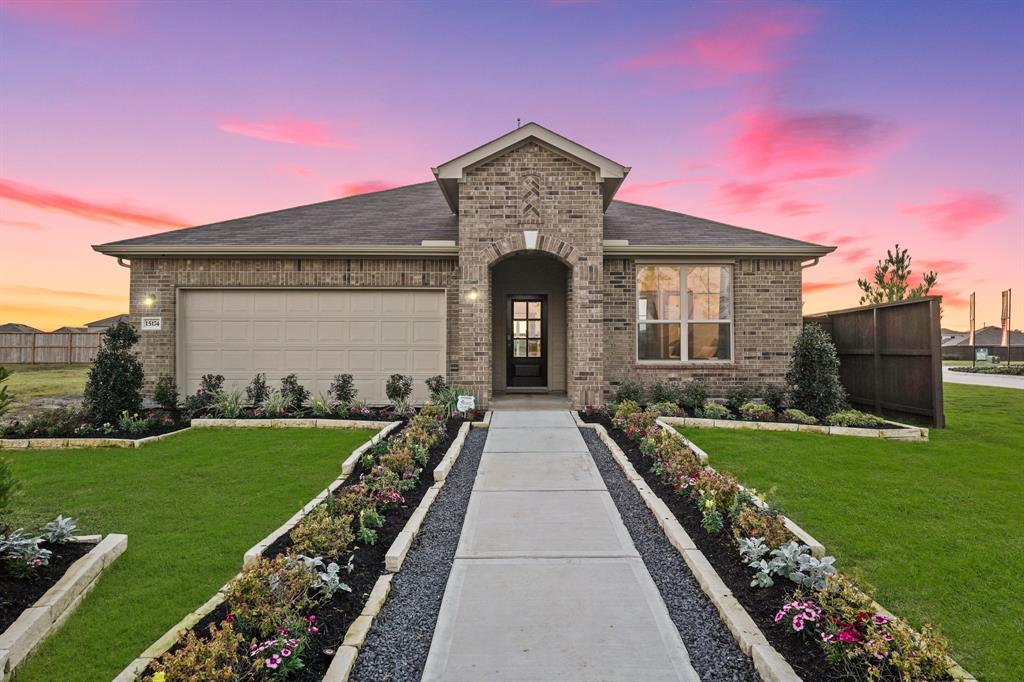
x,y
519,348
534,310
534,345
519,329
519,310
534,329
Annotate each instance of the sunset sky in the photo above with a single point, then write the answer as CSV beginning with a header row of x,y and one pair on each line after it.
x,y
857,124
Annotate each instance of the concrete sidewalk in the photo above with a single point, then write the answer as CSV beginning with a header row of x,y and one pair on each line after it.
x,y
546,583
993,380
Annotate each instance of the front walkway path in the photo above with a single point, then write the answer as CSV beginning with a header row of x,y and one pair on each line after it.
x,y
546,583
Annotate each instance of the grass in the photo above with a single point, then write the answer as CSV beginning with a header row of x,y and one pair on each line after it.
x,y
28,382
191,506
936,528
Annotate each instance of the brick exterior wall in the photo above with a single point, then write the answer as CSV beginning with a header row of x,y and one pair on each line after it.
x,y
531,187
767,317
161,277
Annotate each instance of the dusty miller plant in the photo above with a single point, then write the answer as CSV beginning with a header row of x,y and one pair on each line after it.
x,y
60,530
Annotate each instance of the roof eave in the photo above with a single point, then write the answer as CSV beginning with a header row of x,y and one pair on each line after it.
x,y
793,251
272,250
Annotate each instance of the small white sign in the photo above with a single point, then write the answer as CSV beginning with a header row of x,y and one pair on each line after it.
x,y
466,403
151,324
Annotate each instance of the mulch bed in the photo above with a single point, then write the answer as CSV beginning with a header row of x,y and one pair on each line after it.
x,y
808,660
334,617
18,594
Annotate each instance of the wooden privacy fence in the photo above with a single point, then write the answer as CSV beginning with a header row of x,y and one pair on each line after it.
x,y
42,348
890,356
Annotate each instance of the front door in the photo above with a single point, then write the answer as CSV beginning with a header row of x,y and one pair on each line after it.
x,y
527,333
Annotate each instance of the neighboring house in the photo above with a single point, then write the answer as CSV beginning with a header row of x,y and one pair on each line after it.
x,y
951,337
515,271
18,328
986,336
69,330
100,326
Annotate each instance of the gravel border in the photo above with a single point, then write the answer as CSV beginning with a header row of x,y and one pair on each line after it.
x,y
399,640
713,651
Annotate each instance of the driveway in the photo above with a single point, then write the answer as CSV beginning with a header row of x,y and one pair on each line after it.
x,y
998,381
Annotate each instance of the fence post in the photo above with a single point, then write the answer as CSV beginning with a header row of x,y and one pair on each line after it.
x,y
67,356
32,360
877,361
935,329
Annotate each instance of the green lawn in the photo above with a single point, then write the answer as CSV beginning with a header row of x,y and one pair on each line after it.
x,y
937,528
191,506
45,381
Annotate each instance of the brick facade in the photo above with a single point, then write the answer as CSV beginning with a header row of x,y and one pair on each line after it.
x,y
531,187
766,318
162,277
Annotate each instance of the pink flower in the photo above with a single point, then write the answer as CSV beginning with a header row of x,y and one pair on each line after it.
x,y
879,655
848,636
273,662
798,623
779,616
312,629
286,652
827,637
880,619
886,636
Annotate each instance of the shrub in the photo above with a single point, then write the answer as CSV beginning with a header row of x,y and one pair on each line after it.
x,y
398,389
321,534
295,394
436,384
275,404
664,409
626,408
629,390
737,395
722,488
639,424
211,384
8,488
399,460
713,410
813,375
210,387
115,378
774,396
798,416
60,421
321,406
756,412
228,404
133,424
753,522
257,392
5,399
165,394
855,418
661,392
271,593
60,530
211,659
694,395
343,389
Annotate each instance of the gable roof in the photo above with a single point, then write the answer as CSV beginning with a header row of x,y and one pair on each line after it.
x,y
416,220
610,173
109,321
18,328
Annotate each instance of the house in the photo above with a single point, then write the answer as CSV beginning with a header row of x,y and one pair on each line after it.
x,y
989,335
18,328
69,330
515,270
951,337
100,326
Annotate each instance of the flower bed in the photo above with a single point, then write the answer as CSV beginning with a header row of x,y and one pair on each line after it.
x,y
836,631
72,423
1005,370
293,629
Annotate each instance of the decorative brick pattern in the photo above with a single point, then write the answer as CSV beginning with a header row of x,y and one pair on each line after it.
x,y
491,222
766,319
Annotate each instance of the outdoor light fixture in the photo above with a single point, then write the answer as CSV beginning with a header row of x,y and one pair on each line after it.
x,y
473,294
149,301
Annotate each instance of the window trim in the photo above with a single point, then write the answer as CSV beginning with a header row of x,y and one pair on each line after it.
x,y
684,323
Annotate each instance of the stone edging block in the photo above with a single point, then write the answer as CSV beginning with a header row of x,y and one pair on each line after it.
x,y
906,432
301,423
50,611
80,443
446,463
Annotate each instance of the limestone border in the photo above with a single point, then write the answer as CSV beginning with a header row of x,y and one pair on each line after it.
x,y
768,662
80,443
905,432
52,610
297,423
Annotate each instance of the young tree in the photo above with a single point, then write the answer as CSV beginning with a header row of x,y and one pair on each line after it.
x,y
891,280
115,378
813,375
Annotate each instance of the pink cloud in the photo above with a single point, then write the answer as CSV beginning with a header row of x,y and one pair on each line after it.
x,y
104,212
853,255
944,266
746,196
814,287
823,173
792,207
349,189
287,131
823,237
95,15
300,171
749,42
638,188
951,300
961,212
818,144
22,224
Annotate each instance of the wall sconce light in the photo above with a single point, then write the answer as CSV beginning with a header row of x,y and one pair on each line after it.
x,y
473,294
149,301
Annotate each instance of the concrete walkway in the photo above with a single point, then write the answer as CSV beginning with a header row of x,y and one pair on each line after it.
x,y
546,583
994,380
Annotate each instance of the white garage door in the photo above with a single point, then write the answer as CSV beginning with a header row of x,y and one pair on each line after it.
x,y
315,334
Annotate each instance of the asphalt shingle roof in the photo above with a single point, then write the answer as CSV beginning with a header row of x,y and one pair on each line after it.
x,y
405,216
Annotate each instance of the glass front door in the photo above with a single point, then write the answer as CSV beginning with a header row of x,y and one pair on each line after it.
x,y
526,355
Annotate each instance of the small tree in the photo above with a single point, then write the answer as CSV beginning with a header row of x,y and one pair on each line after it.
x,y
294,393
436,385
813,374
343,389
166,393
5,399
891,280
257,392
398,388
115,378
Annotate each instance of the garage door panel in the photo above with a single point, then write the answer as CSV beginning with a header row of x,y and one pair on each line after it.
x,y
315,334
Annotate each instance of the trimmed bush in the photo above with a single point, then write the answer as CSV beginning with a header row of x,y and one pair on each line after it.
x,y
813,375
661,392
798,417
664,409
436,385
165,394
713,410
257,392
398,389
343,389
774,396
693,395
295,394
856,419
756,412
629,390
115,378
738,395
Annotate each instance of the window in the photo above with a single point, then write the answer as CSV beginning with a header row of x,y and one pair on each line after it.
x,y
671,327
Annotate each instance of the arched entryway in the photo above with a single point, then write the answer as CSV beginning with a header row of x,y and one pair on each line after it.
x,y
529,303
